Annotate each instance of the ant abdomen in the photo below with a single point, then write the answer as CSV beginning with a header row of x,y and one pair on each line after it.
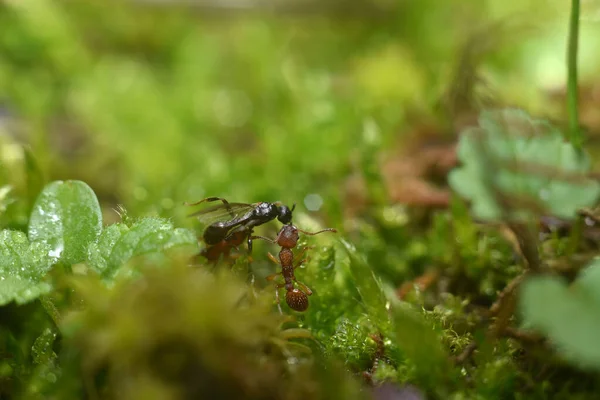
x,y
214,233
297,300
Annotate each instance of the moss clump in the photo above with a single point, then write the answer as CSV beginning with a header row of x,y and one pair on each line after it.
x,y
177,333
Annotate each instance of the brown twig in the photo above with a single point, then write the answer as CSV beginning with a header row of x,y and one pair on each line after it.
x,y
523,336
508,290
466,353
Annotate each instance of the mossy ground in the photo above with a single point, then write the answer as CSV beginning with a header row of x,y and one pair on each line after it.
x,y
335,110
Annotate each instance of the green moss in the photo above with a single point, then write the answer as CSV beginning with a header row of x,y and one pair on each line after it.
x,y
186,333
155,106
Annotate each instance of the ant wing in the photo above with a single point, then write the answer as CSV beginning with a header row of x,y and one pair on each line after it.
x,y
222,212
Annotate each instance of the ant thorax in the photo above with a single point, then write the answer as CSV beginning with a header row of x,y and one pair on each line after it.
x,y
286,257
265,211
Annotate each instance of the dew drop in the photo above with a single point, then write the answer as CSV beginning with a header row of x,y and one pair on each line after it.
x,y
56,252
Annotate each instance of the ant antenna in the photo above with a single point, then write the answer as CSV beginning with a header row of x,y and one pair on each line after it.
x,y
316,233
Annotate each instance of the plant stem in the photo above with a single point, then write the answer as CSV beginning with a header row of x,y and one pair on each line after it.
x,y
572,91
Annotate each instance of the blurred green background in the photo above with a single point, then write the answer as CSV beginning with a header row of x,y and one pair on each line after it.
x,y
342,107
154,103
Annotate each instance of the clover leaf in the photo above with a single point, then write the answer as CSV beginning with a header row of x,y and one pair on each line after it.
x,y
515,167
569,316
66,216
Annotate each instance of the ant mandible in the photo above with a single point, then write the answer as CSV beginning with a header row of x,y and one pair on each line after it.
x,y
287,239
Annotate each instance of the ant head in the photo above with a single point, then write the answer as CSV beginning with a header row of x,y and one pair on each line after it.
x,y
288,236
297,300
285,214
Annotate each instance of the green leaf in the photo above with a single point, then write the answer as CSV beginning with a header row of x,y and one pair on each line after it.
x,y
20,290
67,216
119,243
99,252
569,316
516,167
22,266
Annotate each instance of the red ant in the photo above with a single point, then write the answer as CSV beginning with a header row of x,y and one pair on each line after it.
x,y
287,238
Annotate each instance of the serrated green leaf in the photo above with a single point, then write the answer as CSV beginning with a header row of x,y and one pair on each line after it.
x,y
67,216
516,167
99,252
22,266
20,258
21,290
118,243
569,316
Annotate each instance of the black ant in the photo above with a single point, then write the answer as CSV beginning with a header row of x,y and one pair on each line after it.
x,y
232,223
287,238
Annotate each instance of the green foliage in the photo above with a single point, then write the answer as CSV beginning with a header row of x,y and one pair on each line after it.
x,y
67,217
570,316
42,348
419,341
154,106
202,343
350,340
516,167
119,243
21,180
368,287
23,265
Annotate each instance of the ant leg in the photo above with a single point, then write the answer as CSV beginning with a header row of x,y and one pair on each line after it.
x,y
211,199
273,276
299,263
300,254
249,241
277,274
306,288
277,287
249,250
272,258
251,277
263,238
